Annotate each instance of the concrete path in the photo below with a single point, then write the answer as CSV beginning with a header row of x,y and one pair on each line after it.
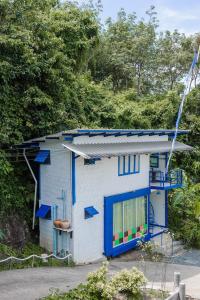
x,y
31,284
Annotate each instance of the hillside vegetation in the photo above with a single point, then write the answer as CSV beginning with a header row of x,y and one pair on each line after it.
x,y
61,69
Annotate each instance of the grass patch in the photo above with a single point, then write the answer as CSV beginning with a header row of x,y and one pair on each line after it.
x,y
27,250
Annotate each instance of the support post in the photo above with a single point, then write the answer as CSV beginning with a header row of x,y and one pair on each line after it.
x,y
177,279
36,184
182,294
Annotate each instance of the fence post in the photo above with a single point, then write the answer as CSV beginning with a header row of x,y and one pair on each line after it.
x,y
10,264
177,279
182,291
33,261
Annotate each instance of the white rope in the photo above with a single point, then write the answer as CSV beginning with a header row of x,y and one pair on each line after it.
x,y
35,256
188,84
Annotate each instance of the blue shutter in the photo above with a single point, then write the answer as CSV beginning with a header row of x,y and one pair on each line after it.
x,y
43,211
43,157
90,212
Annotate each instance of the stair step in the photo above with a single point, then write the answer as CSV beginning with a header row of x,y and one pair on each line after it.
x,y
177,243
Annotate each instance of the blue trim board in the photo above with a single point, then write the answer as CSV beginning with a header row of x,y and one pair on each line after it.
x,y
148,210
132,131
68,138
166,188
109,250
73,177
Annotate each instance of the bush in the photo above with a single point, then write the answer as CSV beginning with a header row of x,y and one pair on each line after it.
x,y
184,214
100,286
127,282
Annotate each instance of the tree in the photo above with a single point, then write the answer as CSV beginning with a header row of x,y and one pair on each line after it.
x,y
173,58
127,52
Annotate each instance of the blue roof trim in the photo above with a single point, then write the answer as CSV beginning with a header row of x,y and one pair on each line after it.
x,y
43,157
43,211
68,138
90,212
157,131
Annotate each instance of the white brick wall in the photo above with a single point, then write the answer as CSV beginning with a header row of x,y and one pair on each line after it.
x,y
158,203
55,180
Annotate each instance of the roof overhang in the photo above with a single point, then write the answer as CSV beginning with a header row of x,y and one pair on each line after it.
x,y
108,150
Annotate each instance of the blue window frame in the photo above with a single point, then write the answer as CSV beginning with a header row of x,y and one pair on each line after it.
x,y
115,247
154,161
128,164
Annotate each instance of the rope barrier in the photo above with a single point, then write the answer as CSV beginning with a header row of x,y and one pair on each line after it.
x,y
35,256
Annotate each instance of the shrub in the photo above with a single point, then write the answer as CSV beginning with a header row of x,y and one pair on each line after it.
x,y
100,287
128,282
184,214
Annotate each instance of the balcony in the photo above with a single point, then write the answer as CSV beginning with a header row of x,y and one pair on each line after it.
x,y
161,181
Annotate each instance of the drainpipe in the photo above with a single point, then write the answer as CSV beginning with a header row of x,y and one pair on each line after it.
x,y
36,184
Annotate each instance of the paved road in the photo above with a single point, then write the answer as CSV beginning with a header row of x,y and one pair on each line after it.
x,y
31,284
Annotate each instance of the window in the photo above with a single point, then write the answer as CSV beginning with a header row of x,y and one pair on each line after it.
x,y
90,161
129,220
154,161
128,164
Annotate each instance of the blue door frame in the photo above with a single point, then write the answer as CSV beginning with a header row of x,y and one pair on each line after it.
x,y
109,250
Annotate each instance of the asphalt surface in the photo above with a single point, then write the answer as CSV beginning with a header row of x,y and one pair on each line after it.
x,y
32,284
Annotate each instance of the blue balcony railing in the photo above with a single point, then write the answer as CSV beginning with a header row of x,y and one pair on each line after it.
x,y
161,180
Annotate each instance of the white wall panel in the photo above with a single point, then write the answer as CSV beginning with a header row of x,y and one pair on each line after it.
x,y
93,183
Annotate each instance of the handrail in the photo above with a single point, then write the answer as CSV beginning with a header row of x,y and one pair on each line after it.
x,y
172,178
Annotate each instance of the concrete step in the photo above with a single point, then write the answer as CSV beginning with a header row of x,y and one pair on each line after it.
x,y
177,243
169,248
177,248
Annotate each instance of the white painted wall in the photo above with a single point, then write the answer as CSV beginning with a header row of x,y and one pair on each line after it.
x,y
158,202
93,183
54,179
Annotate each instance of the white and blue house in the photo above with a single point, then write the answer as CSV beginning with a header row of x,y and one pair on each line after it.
x,y
110,184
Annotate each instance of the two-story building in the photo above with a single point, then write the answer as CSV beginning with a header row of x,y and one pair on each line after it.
x,y
110,184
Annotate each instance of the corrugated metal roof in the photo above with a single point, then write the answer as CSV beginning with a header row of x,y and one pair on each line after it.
x,y
70,134
108,150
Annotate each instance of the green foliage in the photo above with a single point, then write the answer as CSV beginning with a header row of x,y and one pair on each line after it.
x,y
185,214
6,251
99,286
26,251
